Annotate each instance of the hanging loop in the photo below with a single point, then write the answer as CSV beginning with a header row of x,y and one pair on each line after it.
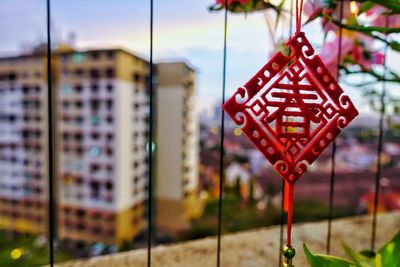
x,y
299,13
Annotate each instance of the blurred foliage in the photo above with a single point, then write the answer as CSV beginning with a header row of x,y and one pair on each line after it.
x,y
312,210
30,252
238,214
246,6
387,256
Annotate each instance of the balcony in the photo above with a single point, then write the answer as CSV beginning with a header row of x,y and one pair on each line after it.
x,y
257,247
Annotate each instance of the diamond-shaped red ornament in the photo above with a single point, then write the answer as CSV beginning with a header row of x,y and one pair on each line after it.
x,y
292,109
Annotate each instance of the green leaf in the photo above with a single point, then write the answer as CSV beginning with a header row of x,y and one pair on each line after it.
x,y
395,45
367,253
366,29
215,7
318,260
363,259
389,254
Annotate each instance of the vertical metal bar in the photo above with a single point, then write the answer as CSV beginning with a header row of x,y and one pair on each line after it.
x,y
282,224
333,154
150,146
379,151
50,136
331,197
222,137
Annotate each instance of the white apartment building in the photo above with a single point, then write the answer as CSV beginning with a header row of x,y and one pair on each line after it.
x,y
103,114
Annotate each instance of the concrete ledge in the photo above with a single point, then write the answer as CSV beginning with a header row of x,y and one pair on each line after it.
x,y
255,248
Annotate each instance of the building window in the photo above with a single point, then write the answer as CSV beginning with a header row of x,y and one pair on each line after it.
x,y
94,167
65,118
79,137
12,76
95,152
110,54
94,88
94,104
95,120
95,135
95,55
65,104
25,89
109,119
78,88
109,168
94,73
110,73
109,151
79,150
79,120
135,164
136,77
81,226
109,137
109,186
67,211
95,185
109,88
79,72
78,104
80,213
109,103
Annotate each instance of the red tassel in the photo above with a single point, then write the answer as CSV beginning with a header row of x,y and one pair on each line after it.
x,y
288,207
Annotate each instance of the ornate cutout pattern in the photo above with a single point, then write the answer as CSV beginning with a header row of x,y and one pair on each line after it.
x,y
292,112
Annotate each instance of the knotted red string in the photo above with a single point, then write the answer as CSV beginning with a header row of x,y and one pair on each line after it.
x,y
288,192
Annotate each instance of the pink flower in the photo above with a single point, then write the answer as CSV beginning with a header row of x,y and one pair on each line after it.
x,y
376,10
313,7
356,49
357,55
367,58
382,20
393,21
377,58
330,50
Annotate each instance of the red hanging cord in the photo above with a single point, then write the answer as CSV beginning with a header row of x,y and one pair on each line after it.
x,y
288,196
299,13
288,206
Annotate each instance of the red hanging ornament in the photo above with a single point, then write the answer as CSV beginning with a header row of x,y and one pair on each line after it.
x,y
292,109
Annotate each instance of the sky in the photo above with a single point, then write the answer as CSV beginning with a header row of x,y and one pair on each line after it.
x,y
183,30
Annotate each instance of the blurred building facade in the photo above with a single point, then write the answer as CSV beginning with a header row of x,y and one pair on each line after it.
x,y
177,148
102,120
103,109
23,144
